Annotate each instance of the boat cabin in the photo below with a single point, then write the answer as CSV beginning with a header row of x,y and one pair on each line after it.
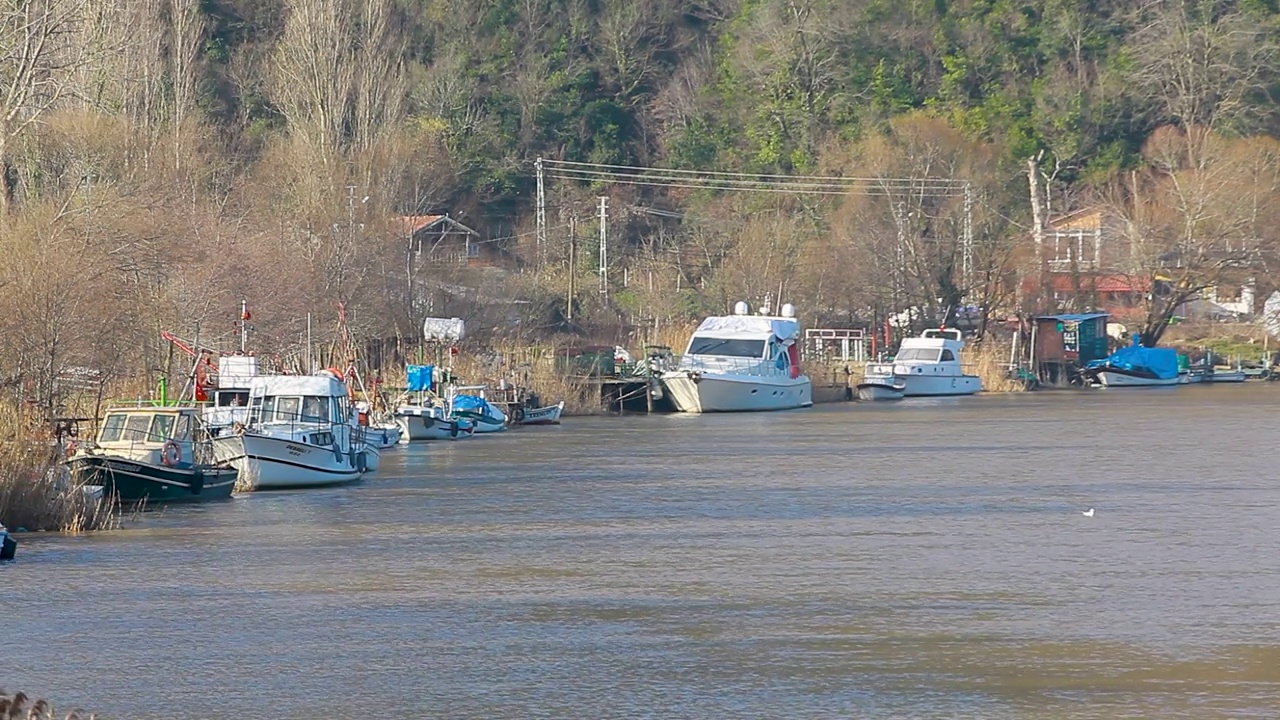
x,y
741,342
936,351
320,400
164,435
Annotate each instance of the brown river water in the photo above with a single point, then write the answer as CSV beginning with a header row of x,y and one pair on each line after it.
x,y
921,559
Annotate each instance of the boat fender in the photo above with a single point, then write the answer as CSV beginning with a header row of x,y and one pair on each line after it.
x,y
197,482
360,461
356,457
337,453
171,453
453,428
518,415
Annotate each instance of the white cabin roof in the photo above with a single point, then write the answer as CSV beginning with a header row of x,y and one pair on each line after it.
x,y
748,327
935,338
323,385
236,371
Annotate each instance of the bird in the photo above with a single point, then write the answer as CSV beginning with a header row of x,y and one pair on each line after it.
x,y
1088,513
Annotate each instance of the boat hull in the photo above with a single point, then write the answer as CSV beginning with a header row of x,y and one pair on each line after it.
x,y
130,481
8,546
549,415
273,463
426,427
481,423
383,436
1115,378
873,391
736,393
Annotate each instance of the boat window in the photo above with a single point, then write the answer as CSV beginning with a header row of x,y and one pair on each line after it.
x,y
917,354
228,398
287,408
182,429
338,412
314,408
726,347
161,426
135,428
947,355
112,427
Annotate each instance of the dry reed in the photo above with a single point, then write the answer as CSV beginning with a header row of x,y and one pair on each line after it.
x,y
989,360
20,705
36,493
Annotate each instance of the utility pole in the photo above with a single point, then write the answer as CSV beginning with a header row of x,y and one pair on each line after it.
x,y
604,247
1037,232
573,266
541,215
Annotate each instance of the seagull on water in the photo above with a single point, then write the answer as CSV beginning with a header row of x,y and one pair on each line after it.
x,y
1088,513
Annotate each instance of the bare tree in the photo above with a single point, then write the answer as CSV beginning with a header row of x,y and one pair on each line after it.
x,y
314,79
42,45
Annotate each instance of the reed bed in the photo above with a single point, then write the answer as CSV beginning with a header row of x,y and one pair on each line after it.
x,y
989,360
21,705
35,490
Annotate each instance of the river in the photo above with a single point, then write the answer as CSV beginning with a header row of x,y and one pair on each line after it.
x,y
919,559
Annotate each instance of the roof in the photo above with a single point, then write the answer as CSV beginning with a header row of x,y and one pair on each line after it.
x,y
749,327
414,224
1088,282
1073,317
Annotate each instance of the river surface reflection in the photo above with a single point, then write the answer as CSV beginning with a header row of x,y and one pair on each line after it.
x,y
922,559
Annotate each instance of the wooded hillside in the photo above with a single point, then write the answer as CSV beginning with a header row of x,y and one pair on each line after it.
x,y
162,159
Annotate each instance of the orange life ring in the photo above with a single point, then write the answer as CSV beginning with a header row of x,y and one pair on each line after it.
x,y
171,454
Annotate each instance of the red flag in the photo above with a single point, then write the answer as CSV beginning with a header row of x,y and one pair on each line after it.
x,y
245,315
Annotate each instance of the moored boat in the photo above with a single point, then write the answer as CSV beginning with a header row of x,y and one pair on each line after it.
x,y
427,422
1136,366
927,366
299,434
740,363
549,415
152,455
876,387
484,416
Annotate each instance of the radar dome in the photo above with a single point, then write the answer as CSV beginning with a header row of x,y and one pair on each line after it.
x,y
740,308
788,310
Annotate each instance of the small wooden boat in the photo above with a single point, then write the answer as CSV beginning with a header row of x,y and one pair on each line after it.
x,y
152,454
549,415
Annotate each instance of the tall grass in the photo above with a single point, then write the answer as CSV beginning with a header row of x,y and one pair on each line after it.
x,y
989,360
35,490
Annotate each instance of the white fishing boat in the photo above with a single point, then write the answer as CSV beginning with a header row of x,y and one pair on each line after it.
x,y
881,386
298,434
429,422
226,390
549,415
741,362
927,366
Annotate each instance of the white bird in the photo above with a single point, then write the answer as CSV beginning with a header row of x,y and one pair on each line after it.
x,y
1088,513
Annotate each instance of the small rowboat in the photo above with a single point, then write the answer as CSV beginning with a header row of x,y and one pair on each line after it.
x,y
549,415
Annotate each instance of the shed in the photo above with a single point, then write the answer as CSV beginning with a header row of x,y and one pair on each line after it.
x,y
1066,343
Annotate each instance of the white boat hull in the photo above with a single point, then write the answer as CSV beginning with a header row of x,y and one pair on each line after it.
x,y
425,427
940,385
383,436
549,415
880,390
1110,378
268,462
736,393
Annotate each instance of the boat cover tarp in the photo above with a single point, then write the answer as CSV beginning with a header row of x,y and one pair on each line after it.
x,y
443,329
419,377
749,326
322,384
1162,362
473,403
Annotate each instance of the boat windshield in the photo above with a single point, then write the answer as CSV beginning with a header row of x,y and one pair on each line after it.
x,y
726,347
918,355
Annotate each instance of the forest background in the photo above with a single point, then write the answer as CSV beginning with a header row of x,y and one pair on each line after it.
x,y
163,160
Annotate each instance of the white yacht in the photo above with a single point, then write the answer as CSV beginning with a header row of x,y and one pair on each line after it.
x,y
741,362
928,365
299,433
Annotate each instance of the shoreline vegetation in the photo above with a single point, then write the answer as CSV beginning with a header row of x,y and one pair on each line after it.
x,y
35,493
21,705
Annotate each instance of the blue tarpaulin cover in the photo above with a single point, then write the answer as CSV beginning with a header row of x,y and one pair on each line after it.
x,y
1162,362
419,377
471,402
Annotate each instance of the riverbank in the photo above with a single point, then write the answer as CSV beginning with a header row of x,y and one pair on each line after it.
x,y
35,494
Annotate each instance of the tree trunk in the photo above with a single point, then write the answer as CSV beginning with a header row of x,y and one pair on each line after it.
x,y
8,177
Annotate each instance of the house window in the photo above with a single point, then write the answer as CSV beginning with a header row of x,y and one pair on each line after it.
x,y
473,249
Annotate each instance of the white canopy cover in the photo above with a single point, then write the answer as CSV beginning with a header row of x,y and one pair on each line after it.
x,y
443,329
322,384
749,326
